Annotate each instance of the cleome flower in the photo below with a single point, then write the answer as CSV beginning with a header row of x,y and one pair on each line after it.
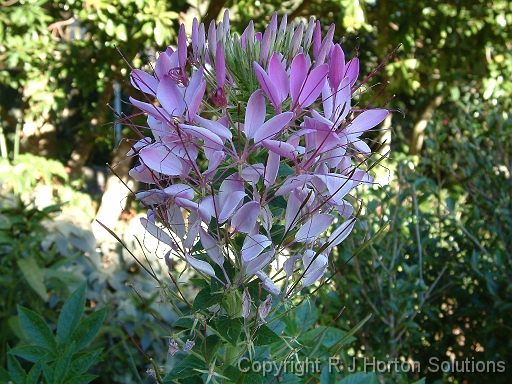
x,y
268,169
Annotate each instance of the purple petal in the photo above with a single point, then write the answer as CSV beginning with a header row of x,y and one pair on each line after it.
x,y
253,246
245,218
271,127
341,233
182,46
163,66
292,215
255,114
279,77
272,168
170,97
298,73
233,202
143,174
336,66
200,265
352,70
365,121
180,190
268,284
281,148
211,140
267,85
158,112
144,81
214,126
258,263
161,160
220,65
158,232
175,220
313,85
211,247
314,227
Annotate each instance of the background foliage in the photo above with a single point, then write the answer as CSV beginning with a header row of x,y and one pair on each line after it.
x,y
436,275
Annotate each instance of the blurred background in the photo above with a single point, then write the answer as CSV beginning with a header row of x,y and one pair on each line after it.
x,y
436,264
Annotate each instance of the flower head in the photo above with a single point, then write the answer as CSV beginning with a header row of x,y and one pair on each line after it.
x,y
269,169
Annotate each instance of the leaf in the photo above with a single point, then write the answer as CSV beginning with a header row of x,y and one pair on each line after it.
x,y
229,328
71,314
34,374
205,299
213,343
265,336
88,328
36,328
83,362
185,368
33,274
18,375
30,353
62,365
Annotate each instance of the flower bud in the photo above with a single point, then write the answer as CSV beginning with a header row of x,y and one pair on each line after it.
x,y
188,345
173,348
265,308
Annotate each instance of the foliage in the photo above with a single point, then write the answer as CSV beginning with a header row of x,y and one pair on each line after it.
x,y
435,273
56,359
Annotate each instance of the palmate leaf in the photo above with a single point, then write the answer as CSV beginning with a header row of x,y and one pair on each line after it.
x,y
71,314
37,330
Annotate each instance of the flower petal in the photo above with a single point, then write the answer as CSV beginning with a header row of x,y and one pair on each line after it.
x,y
200,265
255,114
313,227
161,160
245,218
253,246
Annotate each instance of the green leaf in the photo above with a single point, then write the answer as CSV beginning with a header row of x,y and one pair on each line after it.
x,y
48,373
18,375
38,331
185,368
205,299
33,274
30,353
265,336
62,365
71,314
34,374
229,328
213,343
88,328
82,362
184,322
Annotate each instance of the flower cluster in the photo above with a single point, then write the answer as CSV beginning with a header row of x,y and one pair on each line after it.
x,y
255,147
